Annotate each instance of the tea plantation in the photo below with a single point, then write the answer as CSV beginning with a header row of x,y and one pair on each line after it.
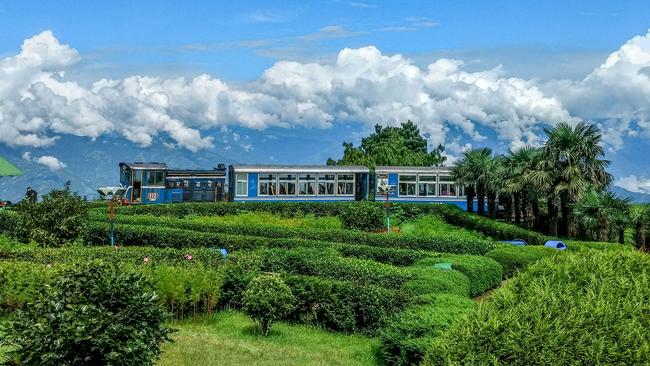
x,y
398,300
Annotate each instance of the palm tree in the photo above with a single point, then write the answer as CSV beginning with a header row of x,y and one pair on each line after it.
x,y
573,156
519,166
639,217
475,169
600,211
463,176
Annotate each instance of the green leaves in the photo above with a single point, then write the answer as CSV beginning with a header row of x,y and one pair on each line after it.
x,y
266,300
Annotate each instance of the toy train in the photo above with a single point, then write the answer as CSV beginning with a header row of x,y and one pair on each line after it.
x,y
151,183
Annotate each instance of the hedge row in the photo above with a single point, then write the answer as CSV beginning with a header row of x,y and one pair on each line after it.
x,y
448,243
329,264
185,291
139,235
514,258
575,309
483,273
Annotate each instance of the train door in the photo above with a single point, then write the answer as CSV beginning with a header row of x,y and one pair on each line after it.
x,y
187,191
137,186
209,191
219,190
198,191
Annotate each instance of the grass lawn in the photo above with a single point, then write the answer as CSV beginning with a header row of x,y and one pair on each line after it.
x,y
227,338
435,225
255,218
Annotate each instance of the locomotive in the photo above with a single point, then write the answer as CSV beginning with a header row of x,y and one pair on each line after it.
x,y
154,183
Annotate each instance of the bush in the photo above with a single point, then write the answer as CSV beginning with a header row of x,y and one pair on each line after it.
x,y
514,258
152,231
562,310
266,300
57,220
408,335
93,314
483,273
11,224
428,280
362,216
21,283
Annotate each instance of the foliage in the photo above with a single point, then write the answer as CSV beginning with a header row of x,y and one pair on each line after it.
x,y
266,300
597,211
168,232
402,145
11,225
427,280
514,258
87,317
21,283
56,220
362,216
562,310
483,273
434,225
266,218
408,335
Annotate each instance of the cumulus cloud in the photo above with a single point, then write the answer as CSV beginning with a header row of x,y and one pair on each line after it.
x,y
49,161
38,104
634,184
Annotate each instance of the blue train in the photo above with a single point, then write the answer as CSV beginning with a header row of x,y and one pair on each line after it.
x,y
151,183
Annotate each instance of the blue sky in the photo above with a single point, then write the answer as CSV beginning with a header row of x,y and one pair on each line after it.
x,y
257,81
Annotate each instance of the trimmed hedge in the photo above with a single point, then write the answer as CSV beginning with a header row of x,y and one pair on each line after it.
x,y
408,335
562,310
328,264
514,258
428,280
483,273
449,243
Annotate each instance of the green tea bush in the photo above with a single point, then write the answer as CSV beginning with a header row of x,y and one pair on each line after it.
x,y
56,220
21,283
514,258
408,335
169,232
483,273
12,225
394,256
362,216
330,265
427,280
576,246
266,300
91,315
570,309
343,305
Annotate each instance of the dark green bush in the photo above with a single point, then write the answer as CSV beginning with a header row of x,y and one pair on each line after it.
x,y
266,300
11,225
56,220
513,258
92,315
169,232
408,335
362,216
427,280
328,264
21,283
574,309
483,273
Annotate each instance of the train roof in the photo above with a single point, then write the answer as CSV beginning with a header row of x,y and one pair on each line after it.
x,y
141,165
195,172
300,168
412,169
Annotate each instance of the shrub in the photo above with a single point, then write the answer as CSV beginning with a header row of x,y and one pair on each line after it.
x,y
93,314
11,224
562,310
483,273
576,245
408,335
266,300
21,283
513,258
58,219
428,280
168,232
362,216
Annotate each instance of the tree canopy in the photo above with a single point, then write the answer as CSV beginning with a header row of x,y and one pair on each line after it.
x,y
402,145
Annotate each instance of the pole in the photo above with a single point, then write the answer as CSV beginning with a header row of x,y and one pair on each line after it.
x,y
387,215
111,205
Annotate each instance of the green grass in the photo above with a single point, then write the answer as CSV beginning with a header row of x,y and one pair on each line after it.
x,y
227,338
433,225
256,218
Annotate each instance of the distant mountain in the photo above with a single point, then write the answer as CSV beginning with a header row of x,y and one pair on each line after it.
x,y
634,196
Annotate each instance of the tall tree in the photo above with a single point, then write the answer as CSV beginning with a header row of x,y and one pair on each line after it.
x,y
402,145
575,155
476,169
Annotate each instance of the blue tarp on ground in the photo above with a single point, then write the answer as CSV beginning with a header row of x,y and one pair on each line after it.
x,y
555,244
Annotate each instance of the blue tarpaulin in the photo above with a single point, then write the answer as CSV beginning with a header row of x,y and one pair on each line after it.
x,y
555,244
517,242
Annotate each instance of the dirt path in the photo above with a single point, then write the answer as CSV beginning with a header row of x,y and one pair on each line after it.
x,y
487,294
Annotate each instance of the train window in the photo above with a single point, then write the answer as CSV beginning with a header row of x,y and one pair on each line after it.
x,y
160,178
326,184
426,185
307,184
407,185
345,184
447,189
138,176
209,184
461,191
287,184
446,178
197,184
186,184
241,184
268,185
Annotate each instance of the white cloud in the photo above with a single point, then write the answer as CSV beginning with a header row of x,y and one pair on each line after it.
x,y
38,104
46,160
634,184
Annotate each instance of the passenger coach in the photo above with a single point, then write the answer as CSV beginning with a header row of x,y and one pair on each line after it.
x,y
298,183
418,184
